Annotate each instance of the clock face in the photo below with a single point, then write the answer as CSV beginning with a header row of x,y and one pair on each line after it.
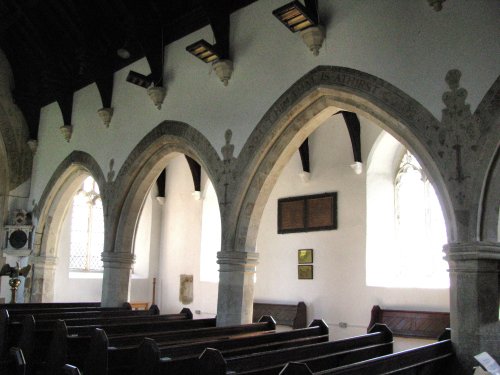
x,y
18,239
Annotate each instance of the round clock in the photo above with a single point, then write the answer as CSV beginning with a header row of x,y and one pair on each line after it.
x,y
18,239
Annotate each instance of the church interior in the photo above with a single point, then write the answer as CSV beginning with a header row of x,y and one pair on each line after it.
x,y
215,154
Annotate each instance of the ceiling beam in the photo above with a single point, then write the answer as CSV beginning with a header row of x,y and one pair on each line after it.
x,y
354,128
218,12
304,156
195,172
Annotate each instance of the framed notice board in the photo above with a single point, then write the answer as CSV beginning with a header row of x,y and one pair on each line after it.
x,y
307,213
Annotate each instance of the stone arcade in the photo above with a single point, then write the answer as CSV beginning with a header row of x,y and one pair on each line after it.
x,y
428,78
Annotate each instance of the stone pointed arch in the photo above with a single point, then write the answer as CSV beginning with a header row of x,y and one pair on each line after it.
x,y
138,173
300,110
49,215
488,173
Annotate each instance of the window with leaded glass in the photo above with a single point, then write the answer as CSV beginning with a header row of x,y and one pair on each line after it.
x,y
420,228
87,228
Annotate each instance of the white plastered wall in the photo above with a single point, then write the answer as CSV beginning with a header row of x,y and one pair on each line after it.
x,y
338,292
180,244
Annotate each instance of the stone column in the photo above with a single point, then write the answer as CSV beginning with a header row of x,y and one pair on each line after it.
x,y
474,300
44,274
116,278
236,282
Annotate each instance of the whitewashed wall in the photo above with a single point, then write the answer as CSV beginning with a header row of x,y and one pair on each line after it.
x,y
180,244
338,292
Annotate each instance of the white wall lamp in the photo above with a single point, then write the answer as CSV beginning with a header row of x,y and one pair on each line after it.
x,y
297,17
208,53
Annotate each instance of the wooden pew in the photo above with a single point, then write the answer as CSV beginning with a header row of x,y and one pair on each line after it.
x,y
286,314
411,323
429,359
119,355
71,346
45,305
318,356
183,358
50,313
36,335
11,331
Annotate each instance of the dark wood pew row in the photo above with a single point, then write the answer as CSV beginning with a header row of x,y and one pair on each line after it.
x,y
18,315
116,354
183,358
430,359
72,346
10,330
36,337
317,356
44,305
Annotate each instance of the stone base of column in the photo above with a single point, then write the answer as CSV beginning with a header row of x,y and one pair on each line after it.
x,y
474,301
116,278
42,284
236,284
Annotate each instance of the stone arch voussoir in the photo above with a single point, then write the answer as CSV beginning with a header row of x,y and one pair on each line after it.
x,y
49,215
300,110
143,166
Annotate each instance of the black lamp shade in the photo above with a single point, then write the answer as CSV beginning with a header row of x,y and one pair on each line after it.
x,y
294,16
203,50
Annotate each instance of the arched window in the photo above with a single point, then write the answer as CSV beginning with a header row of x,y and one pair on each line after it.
x,y
405,228
420,228
87,229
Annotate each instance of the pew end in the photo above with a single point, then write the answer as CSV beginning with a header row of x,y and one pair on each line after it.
x,y
58,349
296,368
383,328
268,319
17,360
187,311
96,362
127,305
325,330
212,362
446,335
148,357
154,310
4,332
71,370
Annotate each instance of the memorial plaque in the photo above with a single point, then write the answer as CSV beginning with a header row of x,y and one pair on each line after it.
x,y
307,213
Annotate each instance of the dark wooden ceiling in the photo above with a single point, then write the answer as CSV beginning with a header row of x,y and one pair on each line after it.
x,y
56,47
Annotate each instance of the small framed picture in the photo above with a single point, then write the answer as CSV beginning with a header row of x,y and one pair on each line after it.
x,y
305,256
305,272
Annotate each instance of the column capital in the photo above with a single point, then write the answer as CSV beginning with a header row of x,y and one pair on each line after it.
x,y
237,261
44,262
117,259
470,251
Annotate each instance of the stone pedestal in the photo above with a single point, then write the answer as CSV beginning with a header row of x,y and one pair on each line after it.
x,y
236,284
474,301
116,278
44,273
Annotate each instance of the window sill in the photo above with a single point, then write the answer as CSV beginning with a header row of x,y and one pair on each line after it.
x,y
85,275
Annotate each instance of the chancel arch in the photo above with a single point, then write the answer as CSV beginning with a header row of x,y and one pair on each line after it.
x,y
139,172
50,213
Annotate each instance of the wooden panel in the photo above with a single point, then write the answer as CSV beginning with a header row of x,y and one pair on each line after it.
x,y
292,215
307,213
425,324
